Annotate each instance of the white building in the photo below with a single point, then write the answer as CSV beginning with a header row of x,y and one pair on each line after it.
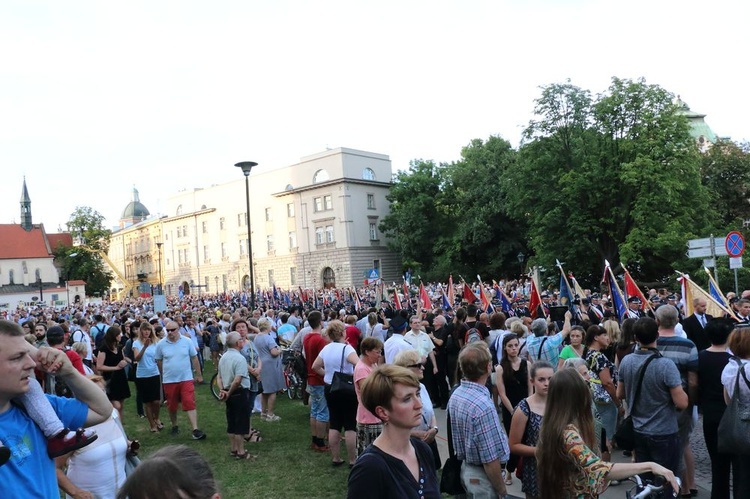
x,y
314,224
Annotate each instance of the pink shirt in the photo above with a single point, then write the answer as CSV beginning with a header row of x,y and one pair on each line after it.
x,y
361,371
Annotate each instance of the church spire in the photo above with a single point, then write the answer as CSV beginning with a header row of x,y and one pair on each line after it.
x,y
25,207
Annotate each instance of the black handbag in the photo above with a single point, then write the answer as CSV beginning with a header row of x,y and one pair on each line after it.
x,y
450,478
343,384
734,428
625,434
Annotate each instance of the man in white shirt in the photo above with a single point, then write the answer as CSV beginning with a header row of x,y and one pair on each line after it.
x,y
421,342
396,343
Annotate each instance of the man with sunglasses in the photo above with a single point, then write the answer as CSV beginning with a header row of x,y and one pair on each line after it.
x,y
174,355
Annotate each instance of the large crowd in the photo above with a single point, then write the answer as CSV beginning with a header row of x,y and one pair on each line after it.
x,y
528,393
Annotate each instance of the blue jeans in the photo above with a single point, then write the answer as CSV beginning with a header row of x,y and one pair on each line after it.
x,y
661,449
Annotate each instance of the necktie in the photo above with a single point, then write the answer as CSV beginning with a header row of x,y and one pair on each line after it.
x,y
703,321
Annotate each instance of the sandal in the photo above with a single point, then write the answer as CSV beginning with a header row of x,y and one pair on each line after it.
x,y
233,453
154,430
509,479
253,437
337,463
245,457
159,425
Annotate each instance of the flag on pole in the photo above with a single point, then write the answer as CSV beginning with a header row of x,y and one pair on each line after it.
x,y
504,301
535,303
424,297
357,302
446,303
614,292
715,291
486,302
690,291
469,295
566,293
632,289
397,301
576,287
451,291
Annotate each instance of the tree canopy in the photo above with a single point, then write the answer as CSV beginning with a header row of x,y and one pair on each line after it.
x,y
83,262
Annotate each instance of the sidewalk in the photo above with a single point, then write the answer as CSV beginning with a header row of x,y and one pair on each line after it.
x,y
702,463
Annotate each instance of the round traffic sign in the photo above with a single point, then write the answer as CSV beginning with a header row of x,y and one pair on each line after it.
x,y
734,244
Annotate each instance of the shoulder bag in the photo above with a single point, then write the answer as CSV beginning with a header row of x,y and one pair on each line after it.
x,y
450,478
625,434
342,383
734,428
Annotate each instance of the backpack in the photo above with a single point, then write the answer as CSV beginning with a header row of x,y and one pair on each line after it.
x,y
494,348
98,337
473,335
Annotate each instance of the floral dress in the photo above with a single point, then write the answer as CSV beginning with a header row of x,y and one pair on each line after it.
x,y
530,437
590,473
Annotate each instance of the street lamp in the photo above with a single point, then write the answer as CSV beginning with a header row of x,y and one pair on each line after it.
x,y
67,278
246,166
161,281
521,258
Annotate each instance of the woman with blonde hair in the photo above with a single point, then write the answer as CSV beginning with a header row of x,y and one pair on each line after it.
x,y
339,356
567,466
147,379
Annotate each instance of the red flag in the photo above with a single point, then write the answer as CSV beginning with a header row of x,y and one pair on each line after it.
x,y
535,303
357,301
486,303
631,289
469,294
424,297
397,304
406,292
451,292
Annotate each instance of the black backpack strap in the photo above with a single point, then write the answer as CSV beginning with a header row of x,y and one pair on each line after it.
x,y
640,379
451,450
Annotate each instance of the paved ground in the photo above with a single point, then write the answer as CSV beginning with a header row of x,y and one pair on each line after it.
x,y
702,463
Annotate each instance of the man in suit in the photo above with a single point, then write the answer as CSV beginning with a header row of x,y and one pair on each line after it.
x,y
634,308
743,310
695,324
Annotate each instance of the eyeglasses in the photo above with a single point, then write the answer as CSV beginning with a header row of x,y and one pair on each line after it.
x,y
420,366
172,330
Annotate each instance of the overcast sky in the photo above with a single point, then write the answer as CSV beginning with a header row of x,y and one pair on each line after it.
x,y
96,97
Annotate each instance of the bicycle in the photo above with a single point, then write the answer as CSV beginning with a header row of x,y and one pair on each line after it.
x,y
292,378
215,388
645,489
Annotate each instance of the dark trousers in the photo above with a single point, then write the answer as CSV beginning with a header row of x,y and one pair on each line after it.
x,y
452,365
661,449
442,388
741,477
720,463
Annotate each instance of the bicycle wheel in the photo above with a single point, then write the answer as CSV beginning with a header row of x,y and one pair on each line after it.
x,y
215,389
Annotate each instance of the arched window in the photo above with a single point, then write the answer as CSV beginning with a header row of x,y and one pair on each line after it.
x,y
179,210
368,174
320,176
329,278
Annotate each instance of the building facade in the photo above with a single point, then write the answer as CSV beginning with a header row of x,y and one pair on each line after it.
x,y
313,224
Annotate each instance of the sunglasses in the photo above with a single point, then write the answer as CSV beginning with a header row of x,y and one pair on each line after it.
x,y
172,330
420,366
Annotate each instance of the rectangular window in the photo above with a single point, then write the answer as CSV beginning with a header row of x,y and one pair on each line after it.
x,y
318,204
290,210
206,254
329,233
373,231
292,240
376,265
179,234
319,235
241,219
184,231
221,223
328,201
242,248
186,257
204,226
269,215
371,201
179,256
269,243
223,250
293,276
270,277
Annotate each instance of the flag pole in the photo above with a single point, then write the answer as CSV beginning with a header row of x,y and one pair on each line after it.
x,y
643,297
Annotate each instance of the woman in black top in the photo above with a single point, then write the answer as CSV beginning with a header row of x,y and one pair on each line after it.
x,y
711,363
395,465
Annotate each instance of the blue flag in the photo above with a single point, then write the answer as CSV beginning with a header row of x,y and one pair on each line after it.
x,y
616,295
716,294
504,302
446,304
566,297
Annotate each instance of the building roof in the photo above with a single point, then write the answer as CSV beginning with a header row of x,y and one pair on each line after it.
x,y
62,238
698,126
135,209
15,242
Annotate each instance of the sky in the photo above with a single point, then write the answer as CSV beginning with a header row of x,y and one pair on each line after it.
x,y
99,97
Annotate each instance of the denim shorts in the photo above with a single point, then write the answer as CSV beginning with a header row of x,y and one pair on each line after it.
x,y
318,405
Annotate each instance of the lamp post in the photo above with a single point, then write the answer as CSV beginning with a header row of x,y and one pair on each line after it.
x,y
67,277
161,285
216,279
246,166
521,258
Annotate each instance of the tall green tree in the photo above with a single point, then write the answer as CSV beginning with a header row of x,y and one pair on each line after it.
x,y
612,177
483,237
414,213
83,262
725,172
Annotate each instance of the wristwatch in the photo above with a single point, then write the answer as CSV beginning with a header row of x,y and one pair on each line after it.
x,y
436,429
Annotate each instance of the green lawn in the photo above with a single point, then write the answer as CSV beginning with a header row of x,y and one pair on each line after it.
x,y
285,468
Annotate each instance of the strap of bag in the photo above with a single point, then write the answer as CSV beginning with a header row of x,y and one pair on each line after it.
x,y
343,350
640,379
451,450
541,347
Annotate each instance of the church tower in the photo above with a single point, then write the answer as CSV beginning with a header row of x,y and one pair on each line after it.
x,y
25,208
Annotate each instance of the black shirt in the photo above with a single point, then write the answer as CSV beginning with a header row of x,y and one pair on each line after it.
x,y
379,475
710,367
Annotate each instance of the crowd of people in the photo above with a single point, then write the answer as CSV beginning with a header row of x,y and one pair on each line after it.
x,y
375,377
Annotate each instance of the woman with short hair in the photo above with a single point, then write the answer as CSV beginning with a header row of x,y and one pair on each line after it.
x,y
369,427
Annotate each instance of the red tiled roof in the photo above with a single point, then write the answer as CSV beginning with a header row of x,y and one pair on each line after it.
x,y
63,238
17,243
76,283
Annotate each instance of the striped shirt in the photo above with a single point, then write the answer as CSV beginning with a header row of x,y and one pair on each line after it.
x,y
682,352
